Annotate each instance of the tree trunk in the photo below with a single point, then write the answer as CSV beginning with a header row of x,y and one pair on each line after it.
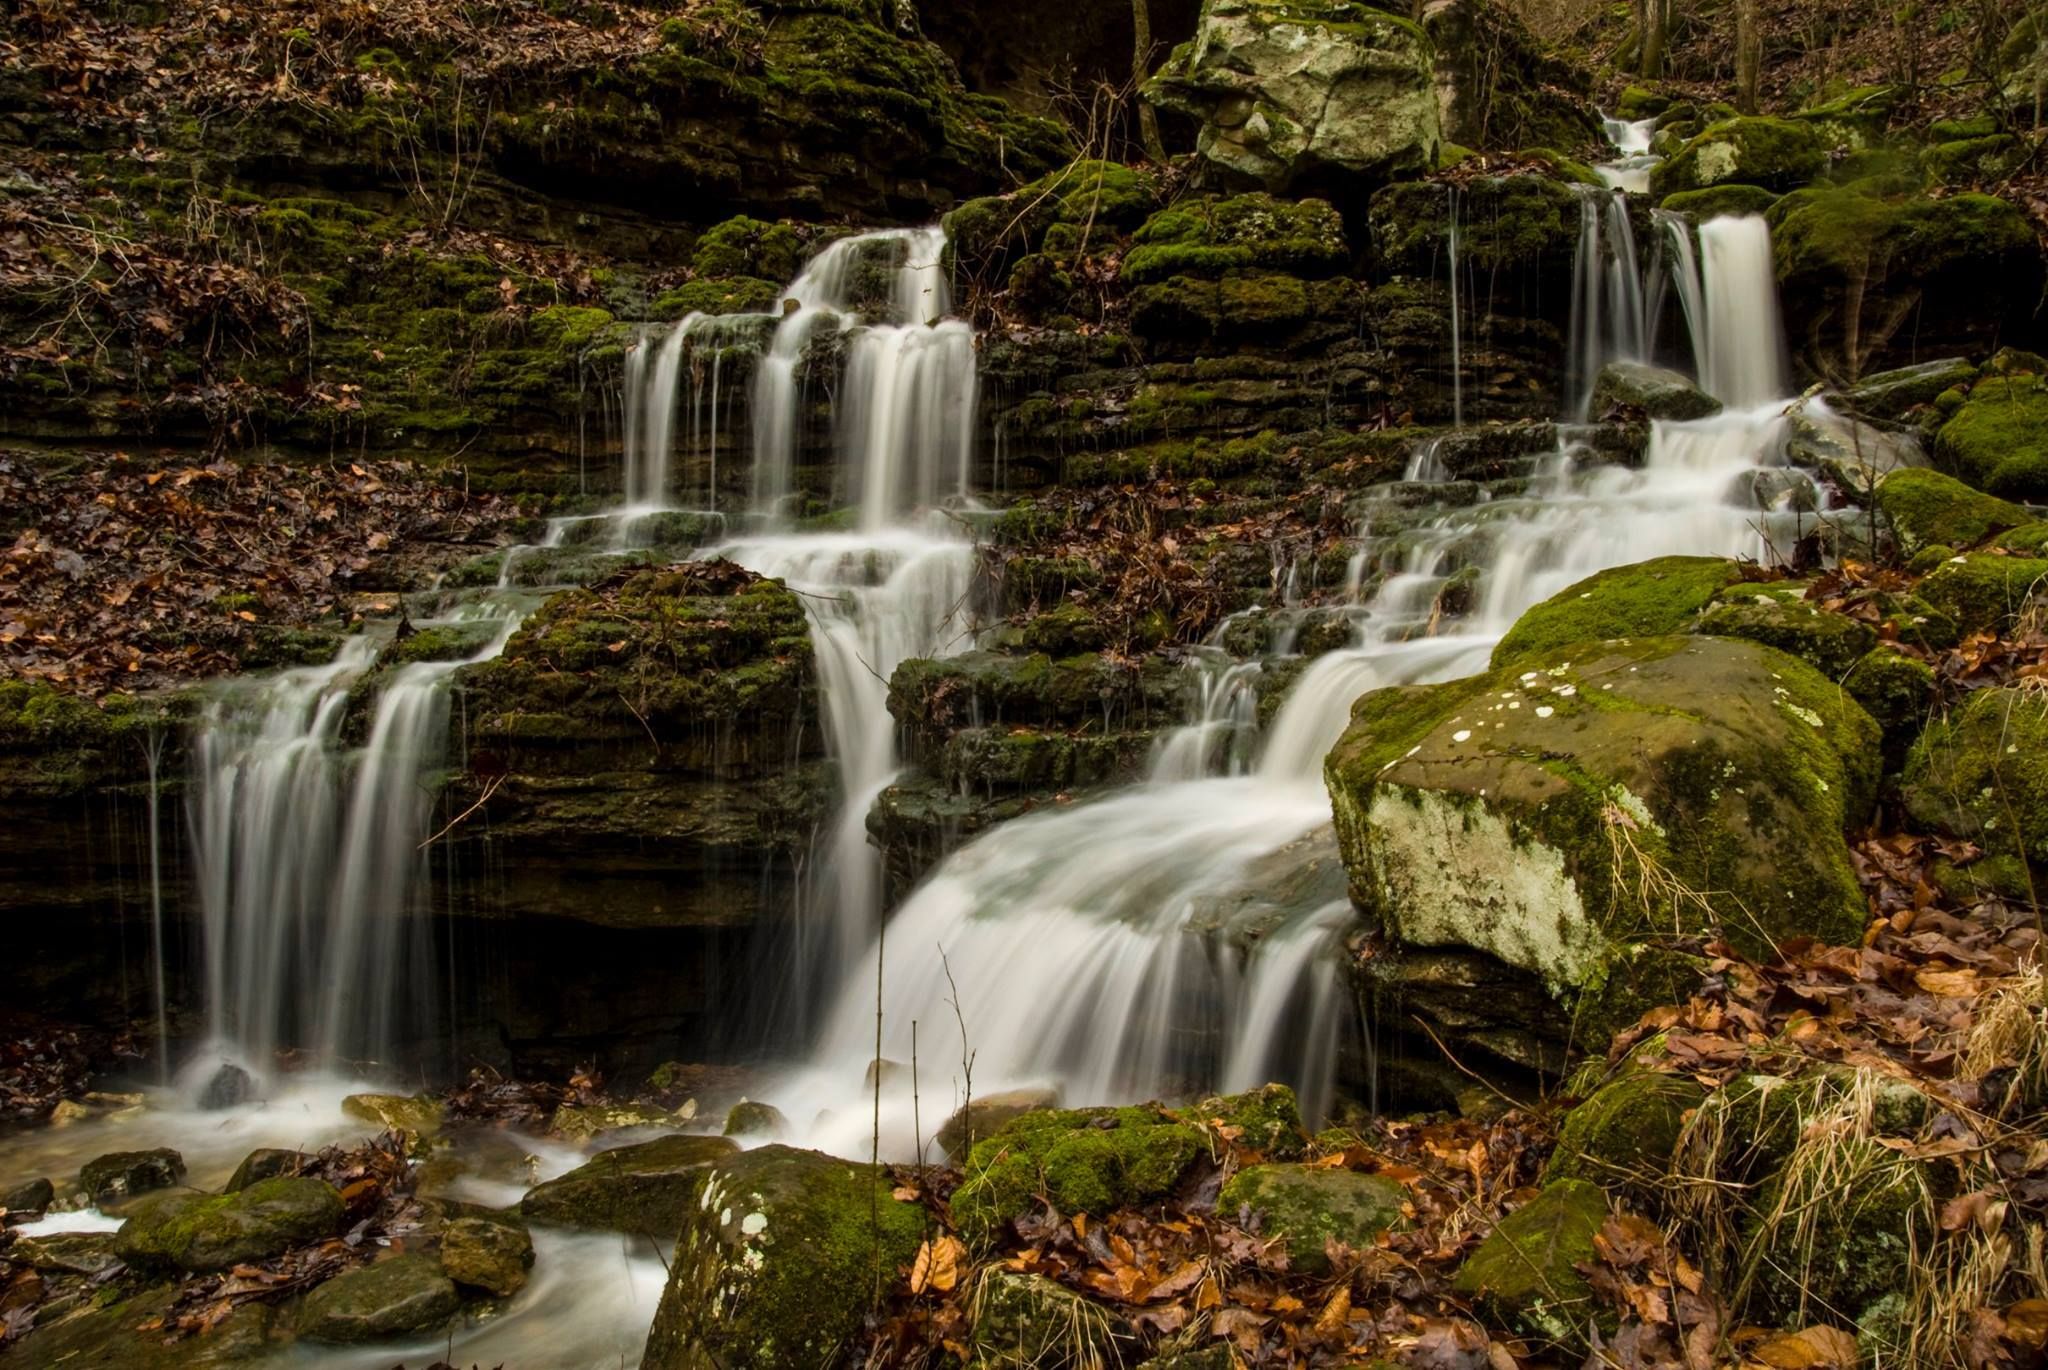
x,y
1655,30
1749,54
1141,67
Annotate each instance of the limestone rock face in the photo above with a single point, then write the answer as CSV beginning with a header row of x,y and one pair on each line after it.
x,y
1556,812
1290,92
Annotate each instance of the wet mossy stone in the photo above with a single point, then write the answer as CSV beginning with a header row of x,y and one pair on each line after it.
x,y
122,1174
980,1117
1720,201
1310,1206
1927,508
1079,1160
1974,161
414,1115
586,1122
1856,119
1658,392
1065,631
645,1189
1526,1271
1890,394
266,1163
1104,198
1784,618
66,1253
492,1253
30,1196
1266,1119
1029,1320
1998,441
399,1296
1547,813
1981,773
1777,154
752,1118
743,246
776,1267
108,1336
203,1232
1623,1135
1896,690
1985,592
1664,595
1210,238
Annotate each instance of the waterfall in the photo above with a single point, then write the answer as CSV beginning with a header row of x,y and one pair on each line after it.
x,y
1608,322
153,752
1629,170
1457,336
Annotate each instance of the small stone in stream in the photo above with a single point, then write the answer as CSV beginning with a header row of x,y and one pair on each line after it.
x,y
492,1254
416,1115
395,1297
230,1085
266,1163
34,1197
120,1174
751,1118
66,1253
582,1122
1030,1320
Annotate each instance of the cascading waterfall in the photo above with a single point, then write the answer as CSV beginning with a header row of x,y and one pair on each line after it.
x,y
1608,322
1728,291
1457,321
1633,162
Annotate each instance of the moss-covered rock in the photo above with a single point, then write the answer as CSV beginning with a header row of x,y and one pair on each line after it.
x,y
108,1333
1090,199
214,1232
1719,201
491,1253
1974,161
777,1266
1891,394
1649,598
1839,1242
1521,228
1031,1320
587,1122
1896,690
1079,1160
752,1118
1927,508
1784,618
1526,1271
267,1163
1210,238
401,1295
122,1174
1362,104
1777,154
1981,772
1623,1135
1658,392
1310,1206
1266,1119
1985,592
980,1117
1998,441
644,1189
1561,811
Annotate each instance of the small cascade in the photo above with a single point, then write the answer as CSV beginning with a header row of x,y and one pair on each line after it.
x,y
1608,320
1629,170
1457,320
1426,463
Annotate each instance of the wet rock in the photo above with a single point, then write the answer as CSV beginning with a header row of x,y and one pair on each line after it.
x,y
266,1163
1297,94
201,1232
415,1115
644,1189
751,1118
1998,441
1526,1273
1310,1206
229,1086
1716,201
1266,1119
66,1253
1031,1320
31,1197
1896,690
395,1297
1664,595
987,1115
584,1122
489,1253
1624,1133
775,1268
1890,394
1081,1160
1497,86
1778,154
110,1337
1658,392
120,1174
1552,814
1781,616
1520,229
1854,455
1927,509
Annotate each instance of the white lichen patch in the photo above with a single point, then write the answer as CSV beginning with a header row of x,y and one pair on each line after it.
x,y
1631,803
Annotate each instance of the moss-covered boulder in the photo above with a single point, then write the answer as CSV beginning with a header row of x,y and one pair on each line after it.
x,y
1949,276
1031,1320
415,1115
777,1265
1896,690
109,1333
1998,441
1927,509
198,1232
1623,1135
1981,772
644,1189
1892,394
1781,616
122,1174
1210,238
1557,813
1526,1272
1656,391
1664,595
267,1163
403,1295
1777,154
1078,1160
1304,91
752,1118
1071,209
980,1117
1311,1206
1266,1119
1719,201
492,1253
1985,592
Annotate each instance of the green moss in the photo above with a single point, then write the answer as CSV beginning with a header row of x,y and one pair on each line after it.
x,y
1981,772
1624,1135
1927,508
1267,1119
1527,1270
1896,690
1647,599
1507,224
1829,642
1998,441
1974,161
748,247
215,1232
1308,1207
1090,200
1778,154
1079,1160
1211,237
1985,592
1716,201
724,295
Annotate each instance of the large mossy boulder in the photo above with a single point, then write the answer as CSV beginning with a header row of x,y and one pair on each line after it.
x,y
1649,598
399,1296
1981,773
1623,1135
1777,154
1311,1206
1303,92
1497,85
1266,1120
776,1267
1896,690
1929,509
1892,394
108,1333
1660,393
1526,1273
1870,282
1091,1161
205,1232
645,1189
1998,440
1782,616
1030,1320
1986,592
1561,812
